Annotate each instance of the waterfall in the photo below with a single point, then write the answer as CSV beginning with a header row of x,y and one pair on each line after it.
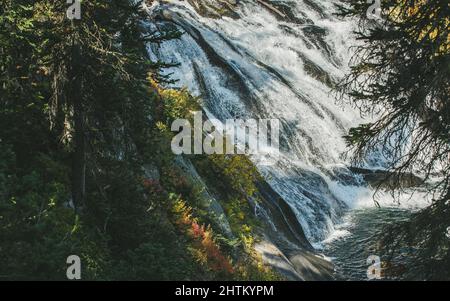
x,y
275,59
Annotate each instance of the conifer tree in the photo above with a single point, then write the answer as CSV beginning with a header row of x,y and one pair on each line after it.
x,y
401,72
76,113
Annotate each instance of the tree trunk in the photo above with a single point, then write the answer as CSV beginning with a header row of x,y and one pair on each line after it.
x,y
79,153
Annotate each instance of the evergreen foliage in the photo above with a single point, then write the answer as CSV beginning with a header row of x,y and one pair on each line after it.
x,y
401,72
83,111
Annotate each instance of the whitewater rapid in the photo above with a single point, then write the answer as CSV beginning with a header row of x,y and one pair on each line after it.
x,y
261,64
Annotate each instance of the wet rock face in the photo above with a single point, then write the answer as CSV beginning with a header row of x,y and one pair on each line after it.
x,y
386,179
215,8
282,10
284,245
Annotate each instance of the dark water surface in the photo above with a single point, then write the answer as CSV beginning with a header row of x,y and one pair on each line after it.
x,y
365,226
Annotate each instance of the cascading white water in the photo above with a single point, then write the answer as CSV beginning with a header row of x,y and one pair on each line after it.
x,y
266,63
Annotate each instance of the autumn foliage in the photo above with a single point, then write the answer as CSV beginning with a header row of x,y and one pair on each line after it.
x,y
204,248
